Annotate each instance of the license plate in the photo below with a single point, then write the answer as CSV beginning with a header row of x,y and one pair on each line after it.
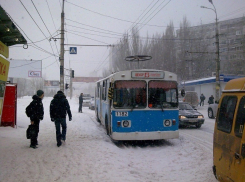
x,y
193,120
121,113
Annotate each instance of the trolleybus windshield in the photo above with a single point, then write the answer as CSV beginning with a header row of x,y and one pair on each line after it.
x,y
162,94
130,94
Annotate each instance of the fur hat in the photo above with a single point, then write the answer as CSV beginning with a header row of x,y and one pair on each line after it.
x,y
39,93
60,92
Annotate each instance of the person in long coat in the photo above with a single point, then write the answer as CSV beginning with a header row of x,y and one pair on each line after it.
x,y
80,103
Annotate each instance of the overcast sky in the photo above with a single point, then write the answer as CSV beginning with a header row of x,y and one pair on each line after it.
x,y
100,22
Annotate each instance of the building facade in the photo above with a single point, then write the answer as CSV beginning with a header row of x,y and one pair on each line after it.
x,y
196,49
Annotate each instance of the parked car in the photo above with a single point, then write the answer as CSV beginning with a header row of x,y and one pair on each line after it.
x,y
86,100
91,104
189,116
212,110
191,97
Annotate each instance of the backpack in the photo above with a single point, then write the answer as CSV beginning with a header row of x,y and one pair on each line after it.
x,y
28,110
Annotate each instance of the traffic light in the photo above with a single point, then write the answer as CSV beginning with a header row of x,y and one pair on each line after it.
x,y
72,73
67,86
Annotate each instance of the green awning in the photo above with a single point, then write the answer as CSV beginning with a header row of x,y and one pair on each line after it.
x,y
9,33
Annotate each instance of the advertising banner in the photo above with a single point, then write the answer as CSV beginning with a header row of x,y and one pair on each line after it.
x,y
4,50
4,69
25,68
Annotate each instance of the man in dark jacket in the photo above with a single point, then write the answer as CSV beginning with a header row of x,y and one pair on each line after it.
x,y
211,99
59,107
202,98
36,114
80,103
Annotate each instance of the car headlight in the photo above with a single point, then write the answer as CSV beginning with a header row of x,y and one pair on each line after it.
x,y
182,117
200,117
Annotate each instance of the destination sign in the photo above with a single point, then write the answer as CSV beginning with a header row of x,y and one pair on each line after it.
x,y
143,74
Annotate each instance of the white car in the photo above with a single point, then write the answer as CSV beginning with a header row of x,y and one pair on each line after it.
x,y
86,100
212,110
91,104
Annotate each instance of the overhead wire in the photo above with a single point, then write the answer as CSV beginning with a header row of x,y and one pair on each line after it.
x,y
93,30
131,27
154,14
89,38
144,24
46,28
28,37
110,16
140,37
233,12
93,26
32,61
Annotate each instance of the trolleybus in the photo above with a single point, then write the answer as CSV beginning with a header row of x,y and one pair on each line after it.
x,y
138,105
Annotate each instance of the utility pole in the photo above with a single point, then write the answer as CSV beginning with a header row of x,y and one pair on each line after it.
x,y
217,59
62,51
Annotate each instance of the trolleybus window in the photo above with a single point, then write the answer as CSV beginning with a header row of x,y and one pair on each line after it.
x,y
162,94
129,94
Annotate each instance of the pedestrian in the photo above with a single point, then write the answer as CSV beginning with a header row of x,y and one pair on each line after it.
x,y
35,111
59,108
202,98
211,99
80,103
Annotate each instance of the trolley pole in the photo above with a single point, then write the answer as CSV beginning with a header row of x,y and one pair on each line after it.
x,y
62,49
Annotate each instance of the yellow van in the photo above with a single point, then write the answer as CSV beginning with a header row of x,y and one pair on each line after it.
x,y
229,139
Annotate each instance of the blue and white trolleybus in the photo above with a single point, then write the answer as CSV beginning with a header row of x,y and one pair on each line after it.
x,y
138,105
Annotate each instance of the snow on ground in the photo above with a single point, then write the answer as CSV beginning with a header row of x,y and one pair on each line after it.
x,y
90,156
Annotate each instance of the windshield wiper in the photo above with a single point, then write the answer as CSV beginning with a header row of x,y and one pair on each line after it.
x,y
162,106
134,105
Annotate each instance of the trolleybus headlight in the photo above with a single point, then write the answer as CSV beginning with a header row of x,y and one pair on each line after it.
x,y
167,122
125,123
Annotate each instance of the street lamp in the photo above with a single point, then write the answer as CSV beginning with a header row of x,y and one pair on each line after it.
x,y
217,88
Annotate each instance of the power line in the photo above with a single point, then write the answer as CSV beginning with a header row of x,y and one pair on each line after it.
x,y
93,27
42,39
48,31
89,38
32,61
94,34
173,39
51,15
94,30
148,12
27,36
111,16
139,29
32,18
154,15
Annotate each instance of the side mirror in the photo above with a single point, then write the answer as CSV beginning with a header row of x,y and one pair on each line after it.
x,y
182,92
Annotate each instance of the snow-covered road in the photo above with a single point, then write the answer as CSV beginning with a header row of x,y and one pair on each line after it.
x,y
89,154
